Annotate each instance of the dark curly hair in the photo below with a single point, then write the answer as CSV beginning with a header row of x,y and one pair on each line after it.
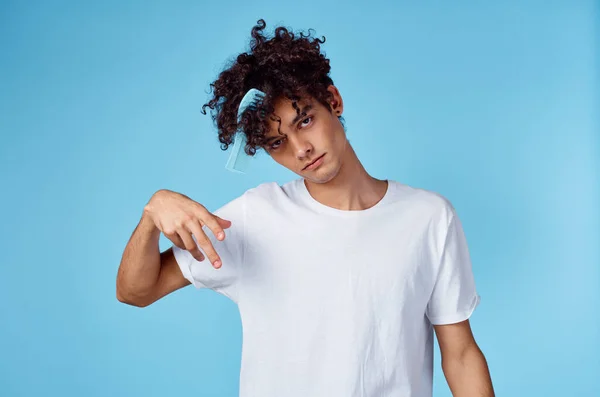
x,y
287,65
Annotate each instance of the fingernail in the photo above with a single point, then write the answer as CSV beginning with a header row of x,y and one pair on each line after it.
x,y
217,264
220,236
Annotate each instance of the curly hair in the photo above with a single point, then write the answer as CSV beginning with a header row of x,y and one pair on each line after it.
x,y
287,65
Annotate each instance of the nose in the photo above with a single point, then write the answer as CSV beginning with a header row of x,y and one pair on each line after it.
x,y
302,147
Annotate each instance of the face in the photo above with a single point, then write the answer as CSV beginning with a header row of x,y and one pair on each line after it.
x,y
313,143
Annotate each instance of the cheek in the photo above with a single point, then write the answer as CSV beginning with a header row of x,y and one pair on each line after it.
x,y
321,137
338,136
334,132
281,157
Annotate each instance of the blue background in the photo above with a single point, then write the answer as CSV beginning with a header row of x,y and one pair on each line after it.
x,y
494,106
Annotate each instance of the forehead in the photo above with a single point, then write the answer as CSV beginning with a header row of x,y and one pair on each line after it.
x,y
284,107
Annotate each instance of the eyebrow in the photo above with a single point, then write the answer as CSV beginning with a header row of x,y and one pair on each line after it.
x,y
302,113
271,139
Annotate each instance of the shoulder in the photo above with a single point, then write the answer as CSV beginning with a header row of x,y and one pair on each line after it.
x,y
260,198
428,203
265,189
271,192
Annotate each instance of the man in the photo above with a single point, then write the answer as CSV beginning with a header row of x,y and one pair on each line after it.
x,y
340,278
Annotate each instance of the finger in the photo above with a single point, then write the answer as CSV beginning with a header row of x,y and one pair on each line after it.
x,y
204,214
223,222
193,226
174,237
204,243
190,244
211,221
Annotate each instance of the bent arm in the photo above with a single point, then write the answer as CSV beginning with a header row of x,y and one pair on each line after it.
x,y
145,274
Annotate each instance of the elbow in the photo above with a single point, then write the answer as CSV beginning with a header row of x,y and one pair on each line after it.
x,y
130,299
467,357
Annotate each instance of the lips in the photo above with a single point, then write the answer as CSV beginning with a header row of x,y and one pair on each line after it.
x,y
314,161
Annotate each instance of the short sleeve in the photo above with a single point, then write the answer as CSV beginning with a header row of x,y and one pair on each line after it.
x,y
227,278
454,296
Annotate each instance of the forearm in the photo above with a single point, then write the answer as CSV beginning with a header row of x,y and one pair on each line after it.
x,y
140,263
468,375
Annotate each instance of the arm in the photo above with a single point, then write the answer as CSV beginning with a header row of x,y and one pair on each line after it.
x,y
145,274
463,363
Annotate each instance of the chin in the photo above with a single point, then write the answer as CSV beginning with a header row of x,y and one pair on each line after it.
x,y
324,174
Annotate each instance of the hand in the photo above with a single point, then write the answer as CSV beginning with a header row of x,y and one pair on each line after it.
x,y
179,218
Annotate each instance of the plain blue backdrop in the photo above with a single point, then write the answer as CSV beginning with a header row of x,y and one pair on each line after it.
x,y
495,106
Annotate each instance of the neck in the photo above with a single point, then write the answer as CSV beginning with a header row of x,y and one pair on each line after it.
x,y
352,189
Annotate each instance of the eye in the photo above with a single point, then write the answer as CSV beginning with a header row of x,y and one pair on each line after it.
x,y
306,122
276,144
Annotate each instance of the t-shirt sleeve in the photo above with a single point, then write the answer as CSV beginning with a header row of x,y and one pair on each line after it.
x,y
227,278
454,296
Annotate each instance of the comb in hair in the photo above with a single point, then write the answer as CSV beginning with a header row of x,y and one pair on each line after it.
x,y
238,161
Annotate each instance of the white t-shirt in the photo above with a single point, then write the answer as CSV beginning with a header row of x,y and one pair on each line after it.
x,y
339,303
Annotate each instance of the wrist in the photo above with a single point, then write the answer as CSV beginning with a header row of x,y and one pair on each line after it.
x,y
148,226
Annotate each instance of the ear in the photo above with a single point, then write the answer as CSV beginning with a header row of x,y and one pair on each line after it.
x,y
336,102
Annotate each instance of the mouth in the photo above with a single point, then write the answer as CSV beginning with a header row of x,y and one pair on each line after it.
x,y
316,162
